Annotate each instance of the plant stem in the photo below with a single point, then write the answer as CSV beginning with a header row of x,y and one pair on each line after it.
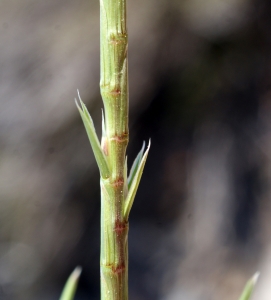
x,y
117,190
114,90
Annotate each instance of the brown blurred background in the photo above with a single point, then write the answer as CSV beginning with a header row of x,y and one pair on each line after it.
x,y
200,87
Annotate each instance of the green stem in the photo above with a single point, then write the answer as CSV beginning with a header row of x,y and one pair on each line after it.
x,y
114,90
117,191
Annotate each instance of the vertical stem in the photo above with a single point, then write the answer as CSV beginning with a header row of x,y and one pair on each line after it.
x,y
114,91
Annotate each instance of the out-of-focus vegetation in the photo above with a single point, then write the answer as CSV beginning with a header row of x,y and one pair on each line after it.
x,y
199,87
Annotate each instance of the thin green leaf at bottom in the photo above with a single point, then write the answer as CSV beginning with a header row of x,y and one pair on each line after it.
x,y
71,285
249,288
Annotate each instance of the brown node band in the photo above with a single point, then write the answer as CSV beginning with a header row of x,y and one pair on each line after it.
x,y
115,93
118,182
116,269
118,39
120,138
120,226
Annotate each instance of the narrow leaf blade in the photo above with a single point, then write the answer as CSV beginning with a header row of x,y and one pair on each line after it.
x,y
71,285
134,184
249,288
135,166
92,136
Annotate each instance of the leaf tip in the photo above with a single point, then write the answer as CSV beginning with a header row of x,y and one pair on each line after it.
x,y
255,277
149,145
76,272
71,285
79,95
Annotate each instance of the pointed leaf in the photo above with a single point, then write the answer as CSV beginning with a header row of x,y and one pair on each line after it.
x,y
134,184
95,144
249,288
135,165
71,285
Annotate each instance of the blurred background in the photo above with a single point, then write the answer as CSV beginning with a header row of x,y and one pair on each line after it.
x,y
200,88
